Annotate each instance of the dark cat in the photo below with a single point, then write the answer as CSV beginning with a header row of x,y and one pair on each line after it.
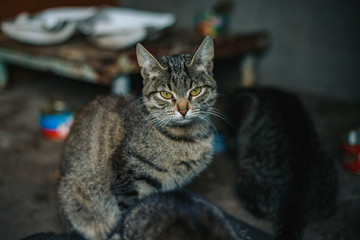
x,y
53,236
282,170
183,215
121,149
174,215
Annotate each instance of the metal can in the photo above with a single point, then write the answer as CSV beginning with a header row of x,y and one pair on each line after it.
x,y
55,120
351,148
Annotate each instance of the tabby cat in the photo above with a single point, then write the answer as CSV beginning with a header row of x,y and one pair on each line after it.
x,y
283,170
121,148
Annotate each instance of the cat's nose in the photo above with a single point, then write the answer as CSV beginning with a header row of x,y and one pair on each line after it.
x,y
182,107
183,111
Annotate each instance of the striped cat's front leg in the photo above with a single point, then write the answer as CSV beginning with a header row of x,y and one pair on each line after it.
x,y
90,210
133,185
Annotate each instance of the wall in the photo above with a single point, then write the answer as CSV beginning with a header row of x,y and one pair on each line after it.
x,y
315,44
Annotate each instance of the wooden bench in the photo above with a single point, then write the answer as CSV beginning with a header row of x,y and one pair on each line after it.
x,y
79,59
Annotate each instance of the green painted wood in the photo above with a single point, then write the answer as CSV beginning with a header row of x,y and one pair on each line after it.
x,y
64,68
3,75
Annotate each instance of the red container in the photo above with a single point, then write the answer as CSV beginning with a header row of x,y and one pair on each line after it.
x,y
351,148
55,120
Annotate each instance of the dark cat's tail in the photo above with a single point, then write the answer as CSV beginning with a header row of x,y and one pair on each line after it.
x,y
289,231
289,222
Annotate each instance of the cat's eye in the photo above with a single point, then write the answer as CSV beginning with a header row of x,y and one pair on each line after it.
x,y
166,94
195,91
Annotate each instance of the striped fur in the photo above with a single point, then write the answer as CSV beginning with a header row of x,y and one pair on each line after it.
x,y
121,149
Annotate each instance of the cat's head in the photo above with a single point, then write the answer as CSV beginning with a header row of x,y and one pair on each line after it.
x,y
179,89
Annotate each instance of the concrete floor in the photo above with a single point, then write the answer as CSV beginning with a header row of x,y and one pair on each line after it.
x,y
29,163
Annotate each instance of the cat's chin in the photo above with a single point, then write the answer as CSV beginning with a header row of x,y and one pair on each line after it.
x,y
182,121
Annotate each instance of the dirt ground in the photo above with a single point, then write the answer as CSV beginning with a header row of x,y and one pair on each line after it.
x,y
29,163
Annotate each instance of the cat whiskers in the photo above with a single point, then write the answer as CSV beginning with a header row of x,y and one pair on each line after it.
x,y
151,120
208,121
156,121
164,122
220,115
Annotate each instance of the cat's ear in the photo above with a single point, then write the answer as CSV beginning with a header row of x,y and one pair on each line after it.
x,y
202,59
150,67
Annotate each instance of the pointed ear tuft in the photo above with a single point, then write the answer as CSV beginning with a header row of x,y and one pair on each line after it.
x,y
202,59
147,62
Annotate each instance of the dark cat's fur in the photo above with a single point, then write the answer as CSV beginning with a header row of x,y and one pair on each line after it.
x,y
182,215
121,149
283,170
174,215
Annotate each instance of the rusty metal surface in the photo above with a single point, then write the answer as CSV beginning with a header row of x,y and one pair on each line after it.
x,y
78,59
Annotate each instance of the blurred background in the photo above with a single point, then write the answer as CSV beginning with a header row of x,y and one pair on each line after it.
x,y
310,48
314,44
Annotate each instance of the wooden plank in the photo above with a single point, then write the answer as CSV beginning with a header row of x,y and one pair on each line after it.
x,y
78,59
62,67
